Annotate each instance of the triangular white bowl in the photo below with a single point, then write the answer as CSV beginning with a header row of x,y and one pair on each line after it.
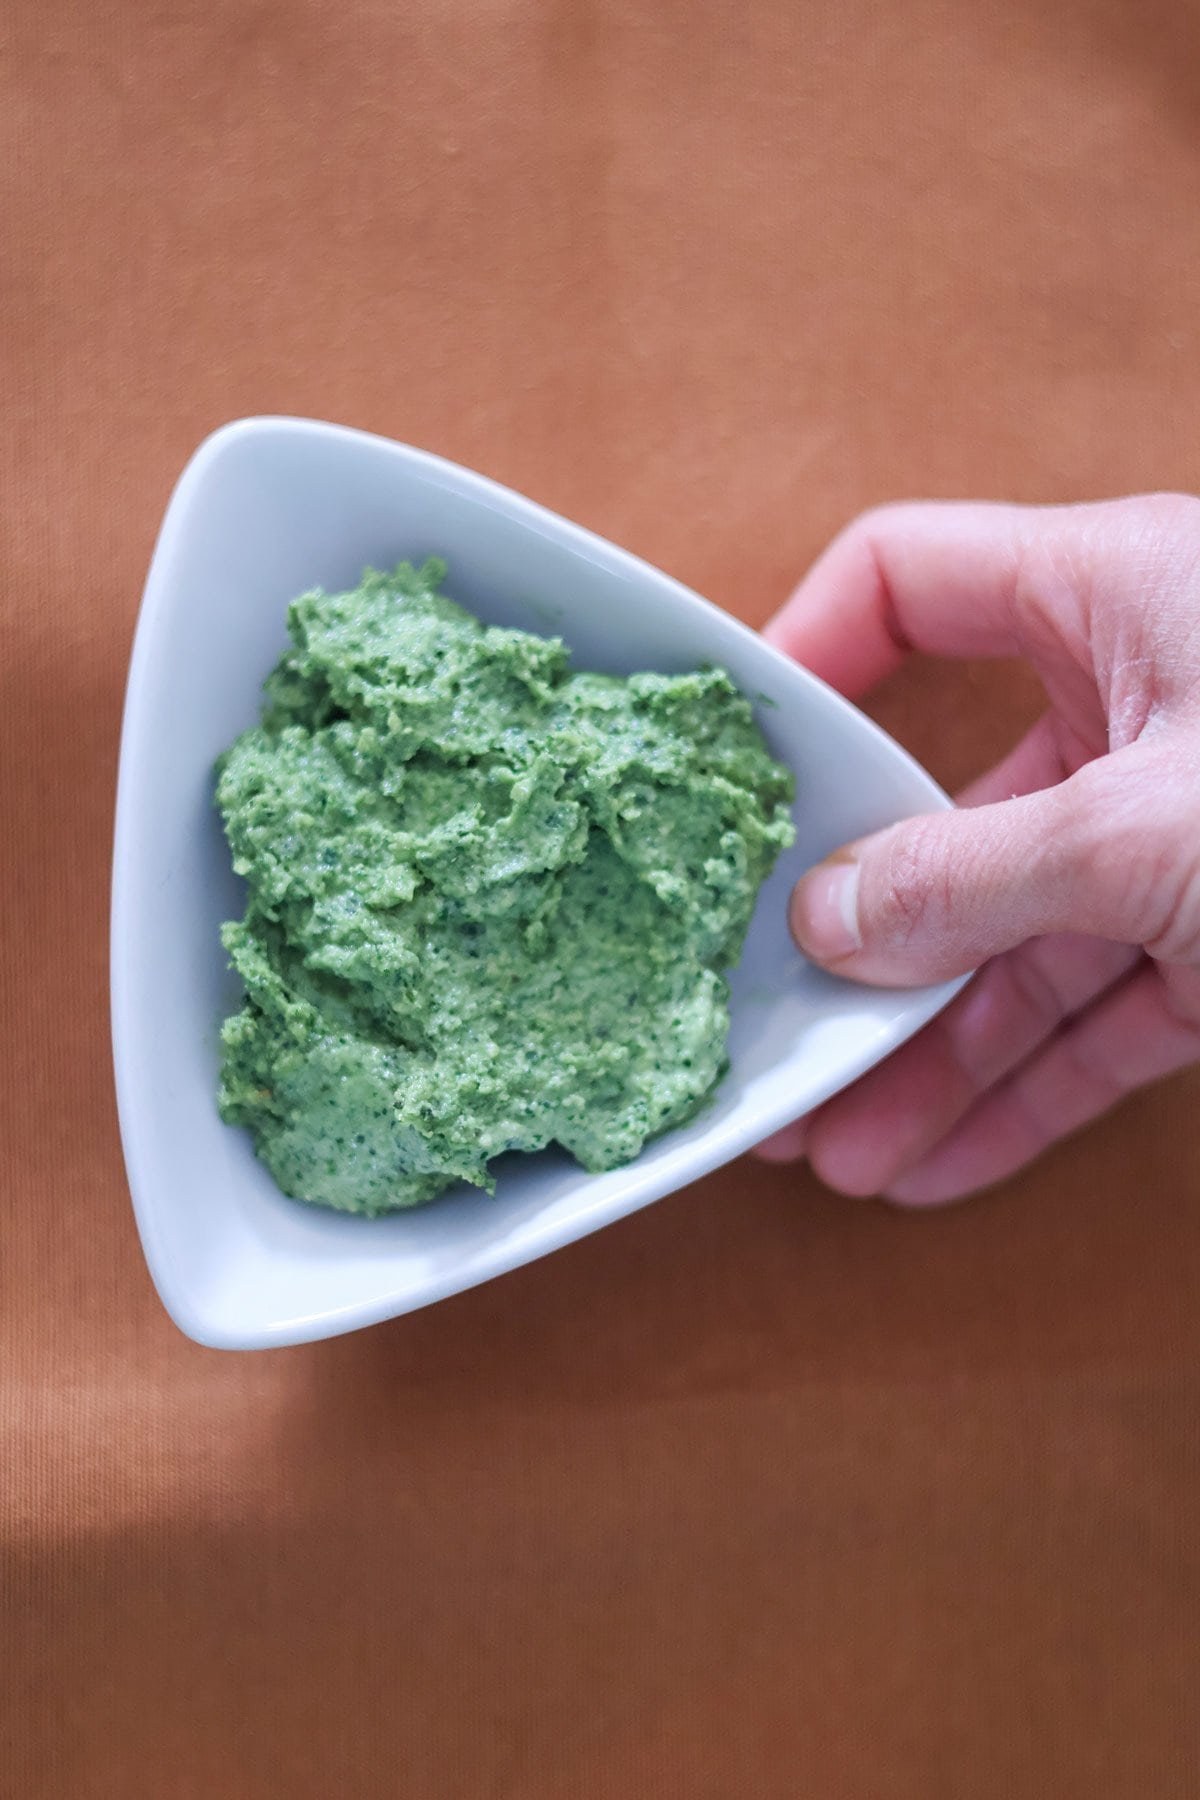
x,y
265,509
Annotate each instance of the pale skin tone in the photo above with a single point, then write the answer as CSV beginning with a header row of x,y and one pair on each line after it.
x,y
1071,875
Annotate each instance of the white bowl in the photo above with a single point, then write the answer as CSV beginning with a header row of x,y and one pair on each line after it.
x,y
265,509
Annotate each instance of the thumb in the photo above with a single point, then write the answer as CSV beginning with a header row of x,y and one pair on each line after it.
x,y
936,896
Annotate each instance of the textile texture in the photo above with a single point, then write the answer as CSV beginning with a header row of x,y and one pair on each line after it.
x,y
762,1492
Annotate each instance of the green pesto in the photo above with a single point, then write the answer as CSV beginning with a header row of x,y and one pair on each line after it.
x,y
491,900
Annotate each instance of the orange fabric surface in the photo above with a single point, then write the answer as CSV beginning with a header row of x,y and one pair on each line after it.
x,y
762,1492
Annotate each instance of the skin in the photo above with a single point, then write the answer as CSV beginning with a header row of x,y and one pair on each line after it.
x,y
1071,876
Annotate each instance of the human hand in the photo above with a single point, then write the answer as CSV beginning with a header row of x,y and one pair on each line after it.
x,y
1072,871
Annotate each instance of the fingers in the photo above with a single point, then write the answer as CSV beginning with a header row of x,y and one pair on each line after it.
x,y
1134,1035
1061,837
1113,852
915,577
1046,755
783,1146
932,897
863,1139
968,579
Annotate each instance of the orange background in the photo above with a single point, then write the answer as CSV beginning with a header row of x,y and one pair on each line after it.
x,y
762,1492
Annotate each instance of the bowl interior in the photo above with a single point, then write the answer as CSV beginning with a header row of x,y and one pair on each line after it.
x,y
266,509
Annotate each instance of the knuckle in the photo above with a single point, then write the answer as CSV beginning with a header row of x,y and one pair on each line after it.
x,y
1181,989
1089,1080
1176,934
1064,578
1034,987
1136,841
840,1161
1163,514
1151,570
1145,542
914,888
1050,583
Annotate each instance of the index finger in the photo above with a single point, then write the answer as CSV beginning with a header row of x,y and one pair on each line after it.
x,y
937,576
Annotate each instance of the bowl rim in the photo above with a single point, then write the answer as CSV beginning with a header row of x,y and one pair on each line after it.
x,y
153,613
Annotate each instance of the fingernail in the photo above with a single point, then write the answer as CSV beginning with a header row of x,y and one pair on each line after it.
x,y
824,912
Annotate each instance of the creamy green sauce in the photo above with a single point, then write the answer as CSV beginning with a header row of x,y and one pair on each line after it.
x,y
491,900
